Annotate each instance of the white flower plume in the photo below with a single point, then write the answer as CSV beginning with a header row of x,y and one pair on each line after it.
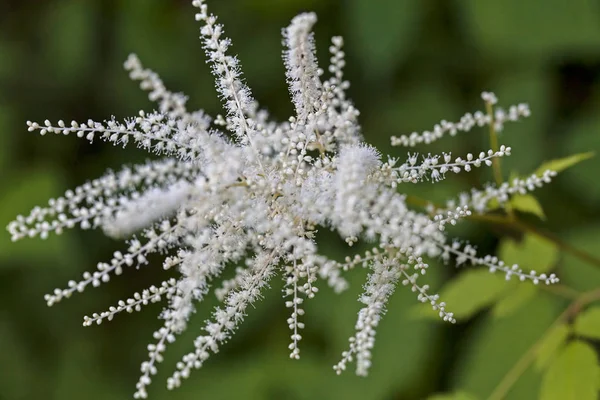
x,y
247,190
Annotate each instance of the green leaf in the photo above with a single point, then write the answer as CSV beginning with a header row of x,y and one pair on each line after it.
x,y
382,34
532,253
527,203
493,204
551,342
492,346
452,396
572,375
470,292
532,29
561,164
514,299
588,323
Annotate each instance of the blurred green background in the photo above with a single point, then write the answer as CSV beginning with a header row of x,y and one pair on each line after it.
x,y
411,63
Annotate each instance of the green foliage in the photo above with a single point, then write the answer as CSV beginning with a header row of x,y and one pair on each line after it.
x,y
532,252
527,203
452,396
513,299
472,291
62,59
572,375
563,163
493,346
550,344
587,323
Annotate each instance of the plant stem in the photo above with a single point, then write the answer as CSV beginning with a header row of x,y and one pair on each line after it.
x,y
520,226
523,363
562,290
524,227
494,144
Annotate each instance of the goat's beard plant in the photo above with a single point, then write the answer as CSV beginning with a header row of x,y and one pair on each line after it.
x,y
255,195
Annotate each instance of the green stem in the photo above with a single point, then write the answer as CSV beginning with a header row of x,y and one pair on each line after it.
x,y
524,227
562,290
513,375
494,144
513,222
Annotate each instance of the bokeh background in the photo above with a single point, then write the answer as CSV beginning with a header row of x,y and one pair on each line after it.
x,y
411,63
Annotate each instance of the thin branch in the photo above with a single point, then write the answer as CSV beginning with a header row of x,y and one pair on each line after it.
x,y
523,363
494,143
520,226
525,227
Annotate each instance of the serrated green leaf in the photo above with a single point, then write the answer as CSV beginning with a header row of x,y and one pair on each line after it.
x,y
561,164
382,34
533,29
588,323
551,342
470,292
513,300
527,203
532,253
572,374
452,396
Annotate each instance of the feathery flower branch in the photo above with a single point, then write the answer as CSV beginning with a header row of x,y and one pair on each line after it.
x,y
250,191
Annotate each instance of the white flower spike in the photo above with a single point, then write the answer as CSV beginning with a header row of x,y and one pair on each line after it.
x,y
243,184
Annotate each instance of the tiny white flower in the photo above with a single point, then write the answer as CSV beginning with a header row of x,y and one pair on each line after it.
x,y
243,184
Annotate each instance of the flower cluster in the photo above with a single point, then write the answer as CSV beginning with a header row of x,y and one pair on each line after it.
x,y
243,189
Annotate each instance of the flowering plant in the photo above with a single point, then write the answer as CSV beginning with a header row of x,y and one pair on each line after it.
x,y
244,189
